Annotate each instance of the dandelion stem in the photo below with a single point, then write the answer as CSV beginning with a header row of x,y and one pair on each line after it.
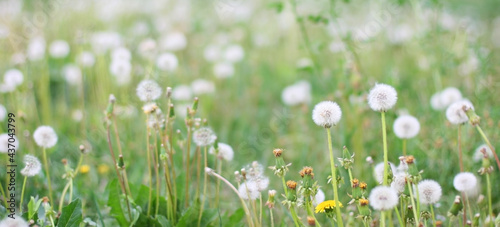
x,y
460,148
433,215
418,199
70,190
219,170
3,194
386,158
125,177
204,186
489,145
272,218
61,201
188,151
260,207
414,208
22,195
398,215
294,216
46,165
334,179
156,163
468,206
309,206
150,174
198,171
245,207
404,147
382,218
488,191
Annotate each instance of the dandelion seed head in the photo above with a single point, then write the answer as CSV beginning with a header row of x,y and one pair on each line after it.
x,y
212,53
378,171
399,182
121,54
32,166
429,191
248,190
4,143
383,198
406,127
326,114
234,53
478,155
13,77
167,62
72,74
36,48
45,136
59,49
455,113
318,198
382,97
174,41
182,93
201,86
464,181
298,93
223,70
225,151
148,90
262,183
86,59
14,222
450,95
204,136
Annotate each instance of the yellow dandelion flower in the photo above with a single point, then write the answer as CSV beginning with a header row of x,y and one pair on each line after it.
x,y
326,206
103,169
84,169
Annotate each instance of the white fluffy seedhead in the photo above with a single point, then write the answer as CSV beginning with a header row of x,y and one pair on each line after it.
x,y
406,127
319,197
382,97
478,155
4,143
449,95
455,113
429,191
326,114
204,136
202,86
45,136
148,90
298,93
32,166
225,152
167,62
464,181
249,190
383,198
399,182
378,171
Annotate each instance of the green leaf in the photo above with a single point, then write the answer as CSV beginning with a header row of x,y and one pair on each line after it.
x,y
208,216
114,201
71,215
190,217
33,207
235,218
164,222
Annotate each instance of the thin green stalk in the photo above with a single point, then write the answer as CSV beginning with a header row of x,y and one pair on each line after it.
x,y
125,177
52,221
272,218
389,216
334,179
398,215
156,163
46,165
188,151
198,171
460,148
70,189
245,207
417,219
22,195
61,201
489,145
260,207
404,147
433,215
418,199
488,191
3,194
310,211
217,189
382,218
204,186
284,185
294,216
150,174
386,158
471,216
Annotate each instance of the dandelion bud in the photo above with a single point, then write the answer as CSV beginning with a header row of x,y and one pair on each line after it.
x,y
456,207
364,210
363,185
369,160
270,199
475,220
169,92
277,152
356,191
382,97
82,148
474,119
121,163
64,161
311,221
237,176
195,104
347,159
208,170
171,111
243,173
291,184
439,223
